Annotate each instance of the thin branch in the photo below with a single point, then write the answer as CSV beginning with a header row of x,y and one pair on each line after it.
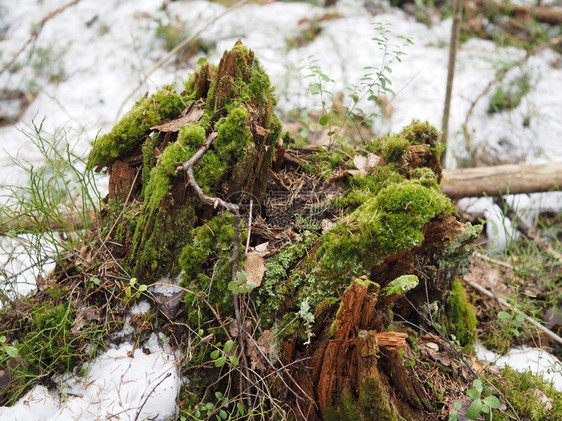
x,y
235,209
176,49
505,304
35,34
455,31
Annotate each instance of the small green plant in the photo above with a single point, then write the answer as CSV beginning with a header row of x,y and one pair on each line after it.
x,y
220,356
133,291
508,96
373,85
479,405
10,350
241,286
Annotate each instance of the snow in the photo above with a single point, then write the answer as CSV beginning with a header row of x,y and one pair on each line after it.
x,y
103,50
524,359
121,384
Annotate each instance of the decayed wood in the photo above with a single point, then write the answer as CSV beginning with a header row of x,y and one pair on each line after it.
x,y
501,179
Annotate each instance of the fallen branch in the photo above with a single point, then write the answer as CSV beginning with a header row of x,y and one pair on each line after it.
x,y
540,13
35,34
501,179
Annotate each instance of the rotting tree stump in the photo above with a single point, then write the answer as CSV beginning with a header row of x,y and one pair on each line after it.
x,y
328,304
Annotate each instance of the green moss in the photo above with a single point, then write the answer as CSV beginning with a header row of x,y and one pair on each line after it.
x,y
522,390
421,133
393,148
46,346
135,125
372,403
209,247
401,285
387,223
460,317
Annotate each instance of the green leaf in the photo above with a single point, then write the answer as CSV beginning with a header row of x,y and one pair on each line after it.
x,y
223,414
215,354
474,409
133,281
95,281
233,360
324,120
240,408
228,346
315,88
473,393
478,385
12,351
492,402
143,288
453,416
242,276
219,362
218,395
232,285
2,339
457,405
503,315
209,406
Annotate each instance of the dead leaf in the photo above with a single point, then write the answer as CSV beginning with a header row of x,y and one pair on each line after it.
x,y
190,115
254,268
365,164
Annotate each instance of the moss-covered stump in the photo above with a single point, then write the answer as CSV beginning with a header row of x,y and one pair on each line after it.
x,y
153,210
331,303
398,248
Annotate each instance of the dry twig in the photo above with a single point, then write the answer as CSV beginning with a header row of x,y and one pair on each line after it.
x,y
35,34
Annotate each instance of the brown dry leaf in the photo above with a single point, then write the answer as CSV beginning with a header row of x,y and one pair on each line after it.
x,y
365,164
190,115
254,267
82,316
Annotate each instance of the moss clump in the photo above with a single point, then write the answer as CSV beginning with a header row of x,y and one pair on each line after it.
x,y
370,404
460,317
387,223
208,251
131,129
523,391
401,285
393,148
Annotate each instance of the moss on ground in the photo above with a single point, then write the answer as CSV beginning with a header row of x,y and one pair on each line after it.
x,y
460,319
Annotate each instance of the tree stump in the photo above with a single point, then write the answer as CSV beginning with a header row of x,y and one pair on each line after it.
x,y
329,305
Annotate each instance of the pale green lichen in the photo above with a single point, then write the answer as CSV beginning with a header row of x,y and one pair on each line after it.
x,y
401,285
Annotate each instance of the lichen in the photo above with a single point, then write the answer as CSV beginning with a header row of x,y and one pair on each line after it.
x,y
401,285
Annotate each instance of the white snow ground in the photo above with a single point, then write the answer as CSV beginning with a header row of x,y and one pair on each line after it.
x,y
90,57
121,384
